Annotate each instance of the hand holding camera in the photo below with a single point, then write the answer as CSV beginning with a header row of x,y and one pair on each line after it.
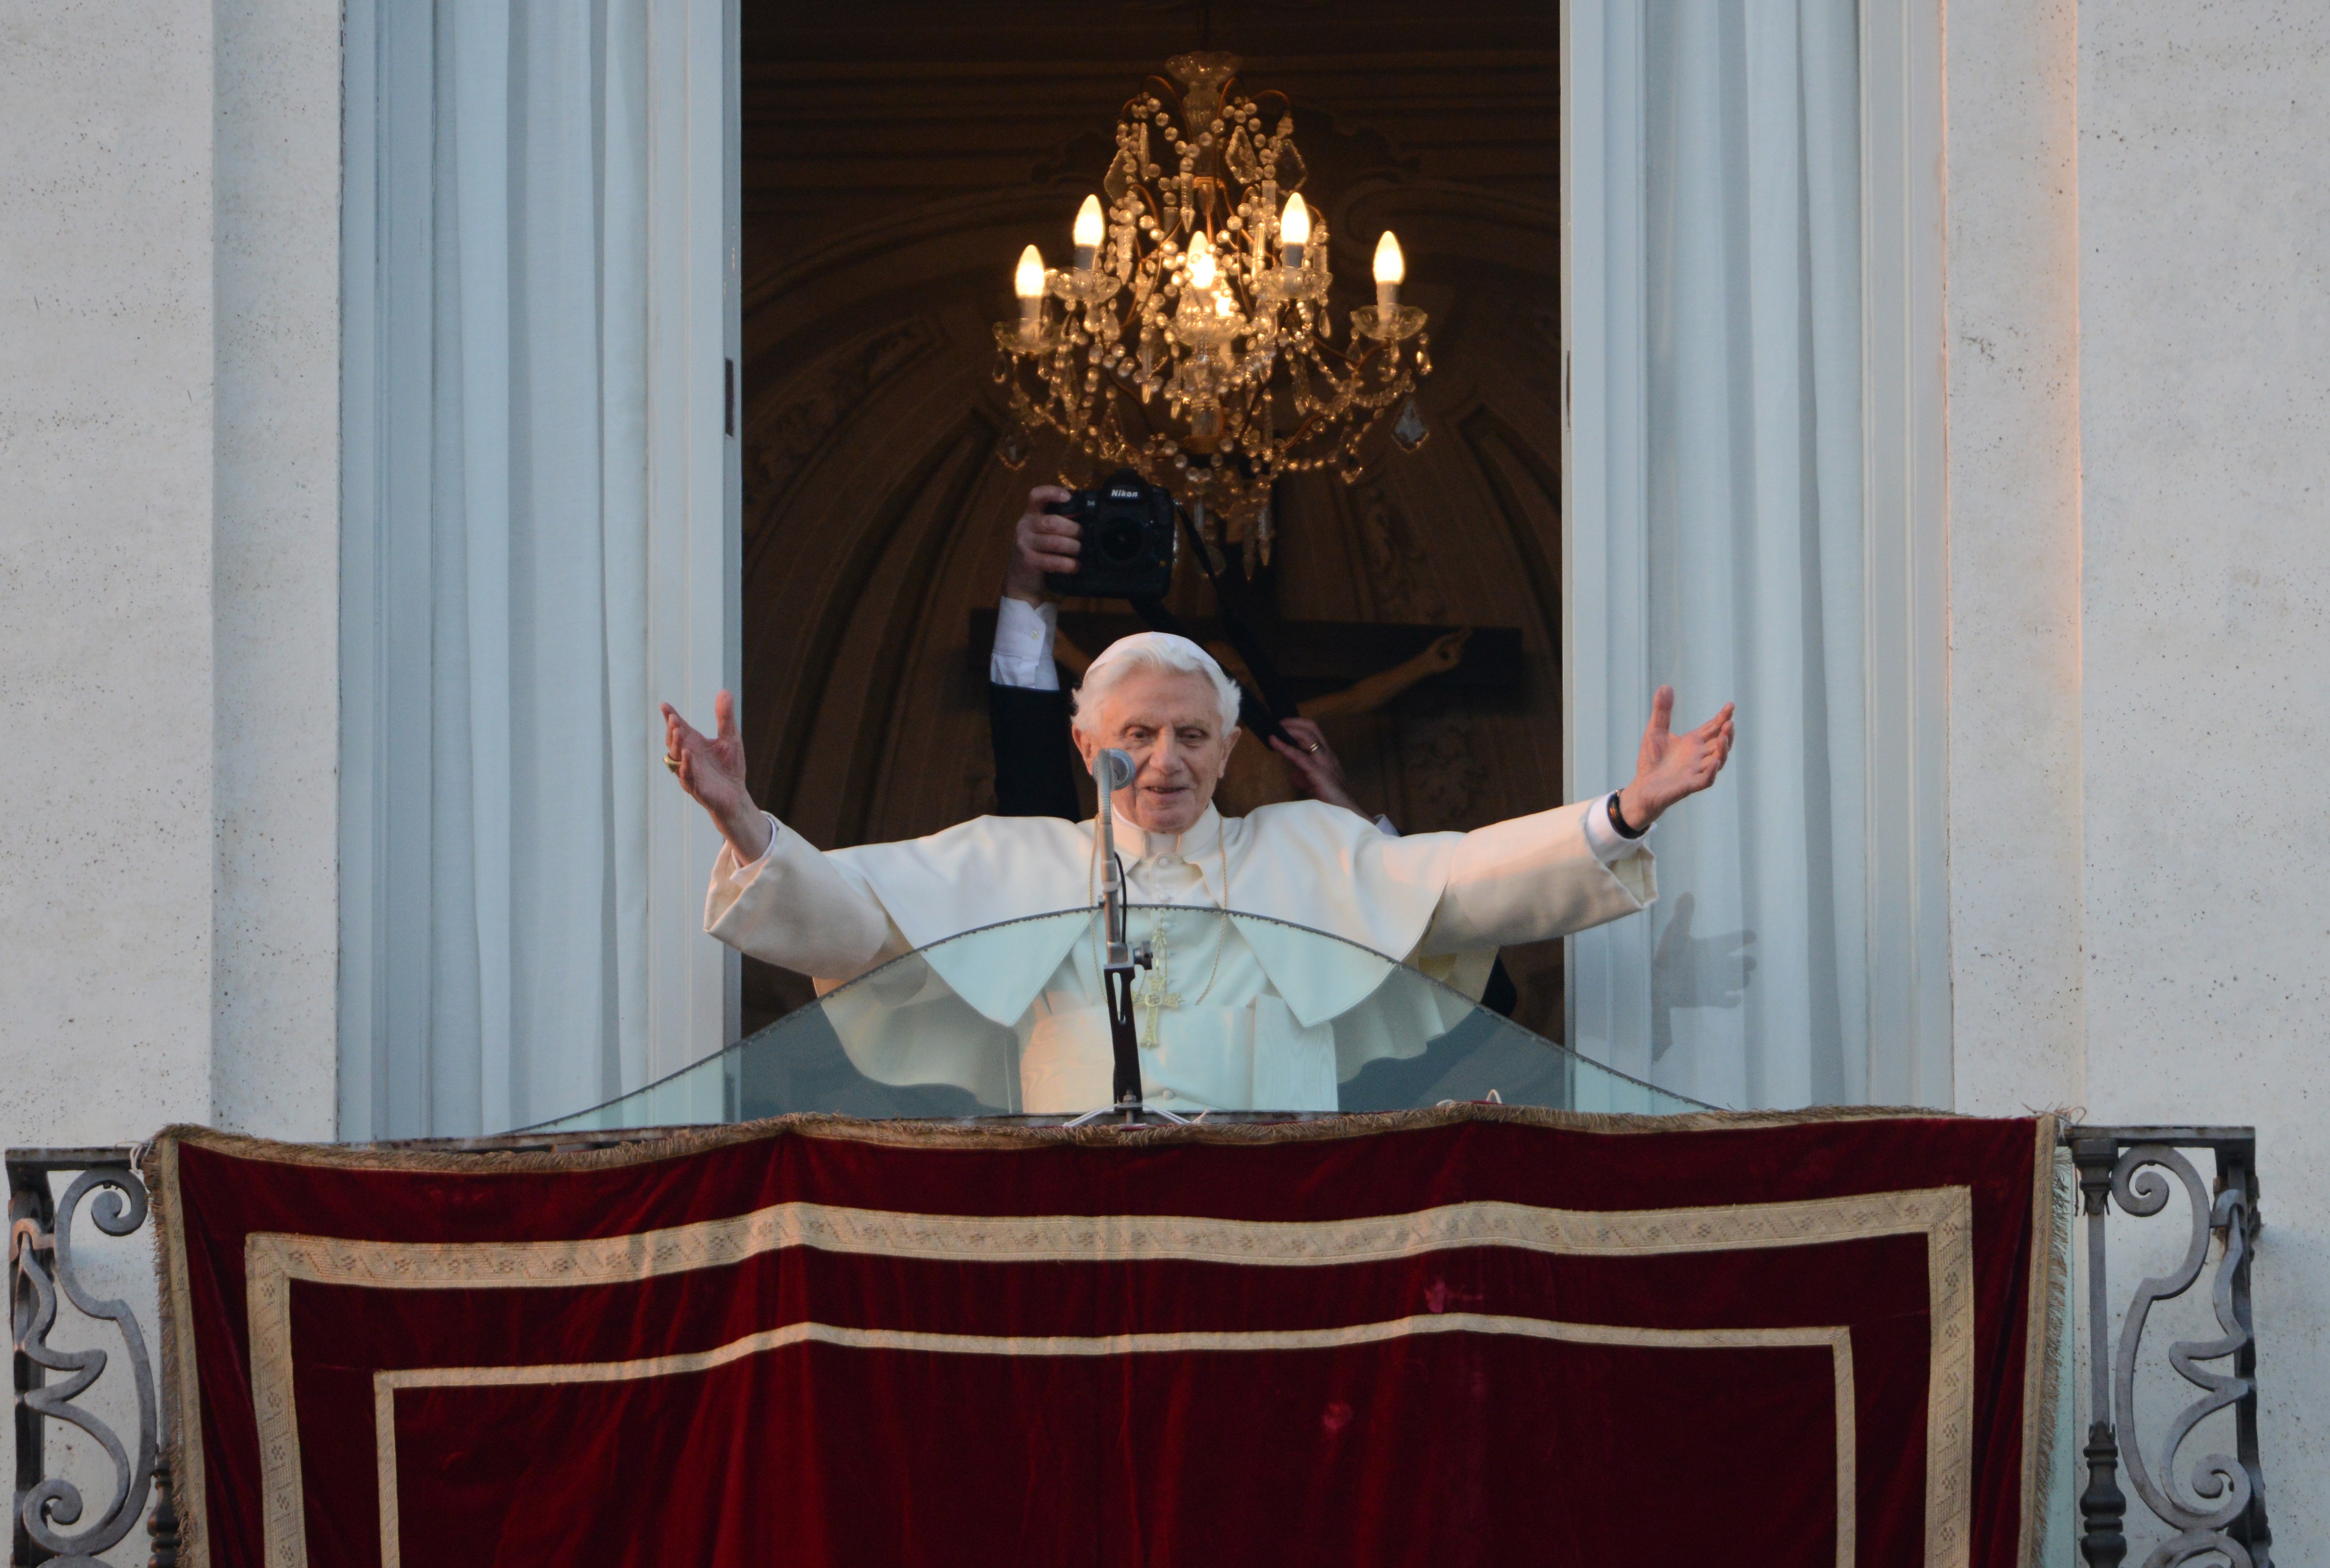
x,y
1042,542
1113,541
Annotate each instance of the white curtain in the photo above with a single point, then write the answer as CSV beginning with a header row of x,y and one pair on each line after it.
x,y
1752,522
501,919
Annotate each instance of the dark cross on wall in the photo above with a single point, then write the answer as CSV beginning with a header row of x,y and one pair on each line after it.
x,y
1315,657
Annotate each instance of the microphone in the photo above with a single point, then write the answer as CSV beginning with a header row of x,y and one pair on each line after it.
x,y
1113,770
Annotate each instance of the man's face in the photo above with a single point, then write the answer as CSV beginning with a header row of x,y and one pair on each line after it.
x,y
1170,722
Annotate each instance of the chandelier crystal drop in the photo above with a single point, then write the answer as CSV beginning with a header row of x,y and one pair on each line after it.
x,y
1193,341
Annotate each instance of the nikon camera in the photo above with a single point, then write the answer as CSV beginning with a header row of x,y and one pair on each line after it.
x,y
1127,547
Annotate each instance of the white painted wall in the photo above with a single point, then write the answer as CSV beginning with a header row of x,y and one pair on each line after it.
x,y
169,220
2140,607
169,426
105,420
106,533
2204,319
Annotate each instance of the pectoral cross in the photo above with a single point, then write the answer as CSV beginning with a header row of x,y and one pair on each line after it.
x,y
1153,994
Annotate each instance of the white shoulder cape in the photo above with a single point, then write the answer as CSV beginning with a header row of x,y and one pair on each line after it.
x,y
1302,863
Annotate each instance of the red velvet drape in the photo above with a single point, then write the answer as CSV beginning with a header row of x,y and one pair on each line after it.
x,y
826,1343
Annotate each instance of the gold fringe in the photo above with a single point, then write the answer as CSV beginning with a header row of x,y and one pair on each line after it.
x,y
180,1395
661,1144
2058,1192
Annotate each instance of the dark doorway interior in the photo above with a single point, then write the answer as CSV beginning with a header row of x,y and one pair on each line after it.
x,y
897,156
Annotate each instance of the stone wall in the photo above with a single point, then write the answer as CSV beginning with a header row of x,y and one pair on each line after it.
x,y
169,364
2204,204
2140,607
106,509
169,556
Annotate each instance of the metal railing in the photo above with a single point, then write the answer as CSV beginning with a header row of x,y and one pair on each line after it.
x,y
2221,1508
41,1275
2138,1169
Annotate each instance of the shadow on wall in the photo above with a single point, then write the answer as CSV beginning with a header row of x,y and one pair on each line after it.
x,y
1695,971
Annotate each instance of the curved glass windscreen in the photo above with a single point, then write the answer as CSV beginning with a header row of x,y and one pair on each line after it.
x,y
1236,1013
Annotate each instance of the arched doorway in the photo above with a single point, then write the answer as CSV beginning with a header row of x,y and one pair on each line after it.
x,y
894,167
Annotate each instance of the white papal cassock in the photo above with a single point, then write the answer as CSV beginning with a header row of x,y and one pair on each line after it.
x,y
1246,1008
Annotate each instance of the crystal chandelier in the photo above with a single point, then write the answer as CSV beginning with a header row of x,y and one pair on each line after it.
x,y
1192,340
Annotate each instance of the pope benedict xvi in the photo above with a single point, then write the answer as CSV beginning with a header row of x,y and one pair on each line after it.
x,y
1252,1022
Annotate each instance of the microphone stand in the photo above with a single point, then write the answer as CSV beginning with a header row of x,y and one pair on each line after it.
x,y
1111,771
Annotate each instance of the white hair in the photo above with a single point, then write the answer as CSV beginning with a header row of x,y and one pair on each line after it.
x,y
1151,650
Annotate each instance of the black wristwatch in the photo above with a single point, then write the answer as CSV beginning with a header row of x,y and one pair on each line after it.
x,y
1618,820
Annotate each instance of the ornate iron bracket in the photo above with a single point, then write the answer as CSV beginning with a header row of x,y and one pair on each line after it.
x,y
41,1268
2221,1508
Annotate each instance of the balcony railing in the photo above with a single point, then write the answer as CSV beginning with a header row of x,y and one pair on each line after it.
x,y
50,1518
2219,1509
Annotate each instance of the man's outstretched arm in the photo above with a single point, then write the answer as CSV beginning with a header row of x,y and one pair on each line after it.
x,y
1579,865
773,895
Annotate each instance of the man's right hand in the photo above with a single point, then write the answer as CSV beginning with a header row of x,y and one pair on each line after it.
x,y
711,768
1041,543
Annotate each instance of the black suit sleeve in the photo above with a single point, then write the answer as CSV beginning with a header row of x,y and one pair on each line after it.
x,y
1035,762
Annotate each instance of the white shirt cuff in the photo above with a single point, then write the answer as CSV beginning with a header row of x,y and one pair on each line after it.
x,y
1602,837
1384,827
1023,646
745,874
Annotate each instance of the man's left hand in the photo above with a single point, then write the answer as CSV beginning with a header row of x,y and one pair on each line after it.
x,y
1318,772
1671,766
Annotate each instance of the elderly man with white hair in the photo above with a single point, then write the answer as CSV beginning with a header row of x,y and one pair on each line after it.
x,y
1246,1029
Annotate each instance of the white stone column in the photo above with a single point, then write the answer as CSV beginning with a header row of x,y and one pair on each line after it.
x,y
170,350
107,786
169,546
2012,300
276,568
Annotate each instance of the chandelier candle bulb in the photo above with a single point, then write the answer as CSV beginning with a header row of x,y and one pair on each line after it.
x,y
1294,231
1088,233
1201,261
1391,268
1029,284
